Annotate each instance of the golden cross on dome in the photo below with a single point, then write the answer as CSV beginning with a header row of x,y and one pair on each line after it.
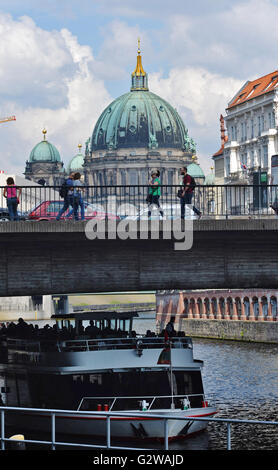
x,y
138,46
44,131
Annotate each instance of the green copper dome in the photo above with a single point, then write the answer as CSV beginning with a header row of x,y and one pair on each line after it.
x,y
193,169
140,119
76,163
44,151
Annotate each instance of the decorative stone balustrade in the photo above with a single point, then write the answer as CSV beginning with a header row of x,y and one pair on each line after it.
x,y
245,305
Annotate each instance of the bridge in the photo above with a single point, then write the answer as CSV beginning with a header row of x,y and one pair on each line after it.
x,y
57,257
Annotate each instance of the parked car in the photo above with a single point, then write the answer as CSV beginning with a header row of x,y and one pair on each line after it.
x,y
48,210
4,215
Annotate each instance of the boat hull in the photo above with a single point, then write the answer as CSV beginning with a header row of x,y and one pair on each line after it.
x,y
147,427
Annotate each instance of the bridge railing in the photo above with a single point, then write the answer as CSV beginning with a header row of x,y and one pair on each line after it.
x,y
53,443
117,201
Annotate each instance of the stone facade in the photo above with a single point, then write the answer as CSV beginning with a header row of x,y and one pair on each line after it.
x,y
133,167
253,305
52,173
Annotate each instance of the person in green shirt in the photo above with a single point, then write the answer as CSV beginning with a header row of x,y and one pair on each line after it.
x,y
154,192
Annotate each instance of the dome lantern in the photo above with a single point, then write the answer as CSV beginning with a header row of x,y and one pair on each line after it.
x,y
139,78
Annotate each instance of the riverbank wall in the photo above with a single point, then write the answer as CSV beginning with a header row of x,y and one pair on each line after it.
x,y
250,331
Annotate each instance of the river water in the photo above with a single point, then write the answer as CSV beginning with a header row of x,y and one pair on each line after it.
x,y
242,378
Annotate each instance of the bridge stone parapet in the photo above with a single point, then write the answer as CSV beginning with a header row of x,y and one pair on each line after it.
x,y
38,258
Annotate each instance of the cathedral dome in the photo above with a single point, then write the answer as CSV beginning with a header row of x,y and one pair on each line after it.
x,y
44,151
140,119
193,169
76,163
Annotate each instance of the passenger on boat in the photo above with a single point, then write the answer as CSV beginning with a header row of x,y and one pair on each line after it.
x,y
92,330
170,329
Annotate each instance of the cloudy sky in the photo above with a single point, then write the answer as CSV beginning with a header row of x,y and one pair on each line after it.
x,y
62,62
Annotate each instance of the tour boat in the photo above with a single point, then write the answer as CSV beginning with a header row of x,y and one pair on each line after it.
x,y
94,362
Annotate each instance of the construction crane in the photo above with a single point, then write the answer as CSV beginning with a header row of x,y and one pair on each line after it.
x,y
11,118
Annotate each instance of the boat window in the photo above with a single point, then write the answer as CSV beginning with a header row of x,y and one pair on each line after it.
x,y
95,379
77,378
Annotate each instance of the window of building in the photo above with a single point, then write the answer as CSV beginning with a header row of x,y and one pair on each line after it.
x,y
244,158
259,156
133,177
271,120
259,125
233,132
252,128
123,177
251,156
170,177
227,166
265,157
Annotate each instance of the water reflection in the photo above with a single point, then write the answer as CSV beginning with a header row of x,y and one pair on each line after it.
x,y
243,378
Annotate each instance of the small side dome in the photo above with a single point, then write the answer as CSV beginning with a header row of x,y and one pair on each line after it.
x,y
44,151
76,163
193,169
210,179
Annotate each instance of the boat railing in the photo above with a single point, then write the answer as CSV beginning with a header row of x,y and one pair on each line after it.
x,y
145,403
24,345
97,344
140,342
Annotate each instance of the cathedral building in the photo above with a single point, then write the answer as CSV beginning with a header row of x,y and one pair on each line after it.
x,y
138,132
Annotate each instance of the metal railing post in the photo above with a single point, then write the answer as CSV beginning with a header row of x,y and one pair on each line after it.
x,y
53,447
108,432
166,431
2,429
229,436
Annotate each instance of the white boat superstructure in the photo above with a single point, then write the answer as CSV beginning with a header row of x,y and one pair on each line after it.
x,y
94,361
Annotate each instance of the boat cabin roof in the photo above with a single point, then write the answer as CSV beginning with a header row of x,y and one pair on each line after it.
x,y
97,315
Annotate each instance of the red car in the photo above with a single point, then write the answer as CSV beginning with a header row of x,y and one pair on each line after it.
x,y
48,210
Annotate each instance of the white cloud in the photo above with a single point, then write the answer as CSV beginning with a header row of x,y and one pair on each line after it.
x,y
117,55
206,53
47,79
239,40
200,97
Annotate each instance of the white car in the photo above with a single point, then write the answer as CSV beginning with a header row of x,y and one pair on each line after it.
x,y
169,212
